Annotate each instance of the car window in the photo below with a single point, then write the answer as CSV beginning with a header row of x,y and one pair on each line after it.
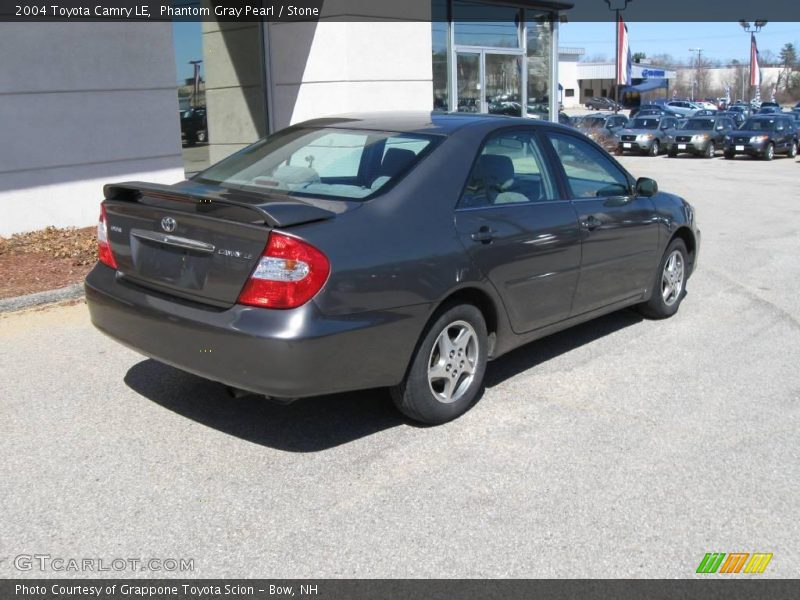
x,y
590,173
509,170
644,123
330,162
332,155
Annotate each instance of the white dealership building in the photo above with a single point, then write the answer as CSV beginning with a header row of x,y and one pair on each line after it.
x,y
86,103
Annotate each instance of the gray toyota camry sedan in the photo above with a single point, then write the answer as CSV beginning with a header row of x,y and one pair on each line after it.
x,y
399,250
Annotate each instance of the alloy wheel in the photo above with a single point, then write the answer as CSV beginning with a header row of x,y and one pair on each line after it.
x,y
672,278
452,362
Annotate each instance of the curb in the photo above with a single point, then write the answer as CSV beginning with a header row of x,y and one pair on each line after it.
x,y
66,293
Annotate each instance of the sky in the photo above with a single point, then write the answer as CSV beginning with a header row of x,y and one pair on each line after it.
x,y
188,46
719,41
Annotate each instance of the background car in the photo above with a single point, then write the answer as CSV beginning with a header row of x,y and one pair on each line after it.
x,y
301,274
602,128
700,136
602,103
707,104
684,107
768,109
763,136
565,119
745,109
659,105
661,112
736,117
194,126
645,135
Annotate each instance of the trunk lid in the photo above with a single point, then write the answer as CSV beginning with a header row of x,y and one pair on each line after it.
x,y
196,242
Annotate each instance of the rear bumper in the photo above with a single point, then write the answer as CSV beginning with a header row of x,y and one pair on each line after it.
x,y
280,353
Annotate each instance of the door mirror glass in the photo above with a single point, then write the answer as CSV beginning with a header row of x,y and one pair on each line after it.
x,y
646,187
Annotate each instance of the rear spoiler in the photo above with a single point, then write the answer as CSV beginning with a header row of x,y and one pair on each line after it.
x,y
275,213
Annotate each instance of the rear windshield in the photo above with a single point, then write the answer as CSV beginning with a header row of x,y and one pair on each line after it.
x,y
644,124
759,125
326,161
699,124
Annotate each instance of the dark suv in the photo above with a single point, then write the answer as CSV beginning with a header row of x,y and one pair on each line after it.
x,y
701,136
194,127
763,136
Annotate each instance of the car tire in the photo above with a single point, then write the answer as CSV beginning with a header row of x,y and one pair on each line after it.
x,y
672,153
729,155
669,285
711,150
202,136
792,150
655,149
769,153
445,378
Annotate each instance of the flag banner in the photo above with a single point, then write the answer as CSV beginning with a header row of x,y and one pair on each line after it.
x,y
623,54
755,72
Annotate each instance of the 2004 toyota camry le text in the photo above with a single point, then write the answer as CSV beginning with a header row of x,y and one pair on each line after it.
x,y
385,250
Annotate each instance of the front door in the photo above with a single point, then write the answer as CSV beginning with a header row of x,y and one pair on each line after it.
x,y
489,81
619,248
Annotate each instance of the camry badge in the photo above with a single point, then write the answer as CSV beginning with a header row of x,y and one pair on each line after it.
x,y
168,224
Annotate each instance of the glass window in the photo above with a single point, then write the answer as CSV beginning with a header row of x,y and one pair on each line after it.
x,y
590,173
539,40
330,162
509,170
480,24
221,98
439,34
699,124
644,123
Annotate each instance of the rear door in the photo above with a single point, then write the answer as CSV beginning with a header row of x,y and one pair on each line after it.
x,y
519,232
619,232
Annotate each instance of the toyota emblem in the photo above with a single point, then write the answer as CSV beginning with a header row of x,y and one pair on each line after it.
x,y
168,224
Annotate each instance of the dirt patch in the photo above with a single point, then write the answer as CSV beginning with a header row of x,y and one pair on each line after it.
x,y
43,260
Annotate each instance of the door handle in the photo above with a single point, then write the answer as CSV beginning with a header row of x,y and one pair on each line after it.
x,y
484,235
591,223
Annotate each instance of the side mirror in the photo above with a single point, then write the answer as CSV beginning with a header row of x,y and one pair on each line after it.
x,y
646,187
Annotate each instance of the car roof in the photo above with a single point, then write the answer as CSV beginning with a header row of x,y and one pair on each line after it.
x,y
441,123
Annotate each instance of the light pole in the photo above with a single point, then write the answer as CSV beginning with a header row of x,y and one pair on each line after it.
x,y
752,30
696,70
617,12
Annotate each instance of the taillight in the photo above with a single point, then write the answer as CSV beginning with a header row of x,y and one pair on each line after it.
x,y
288,274
104,254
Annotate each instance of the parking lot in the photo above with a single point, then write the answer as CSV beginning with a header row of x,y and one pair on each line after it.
x,y
621,448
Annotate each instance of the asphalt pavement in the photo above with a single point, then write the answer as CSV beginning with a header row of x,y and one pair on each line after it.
x,y
620,448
